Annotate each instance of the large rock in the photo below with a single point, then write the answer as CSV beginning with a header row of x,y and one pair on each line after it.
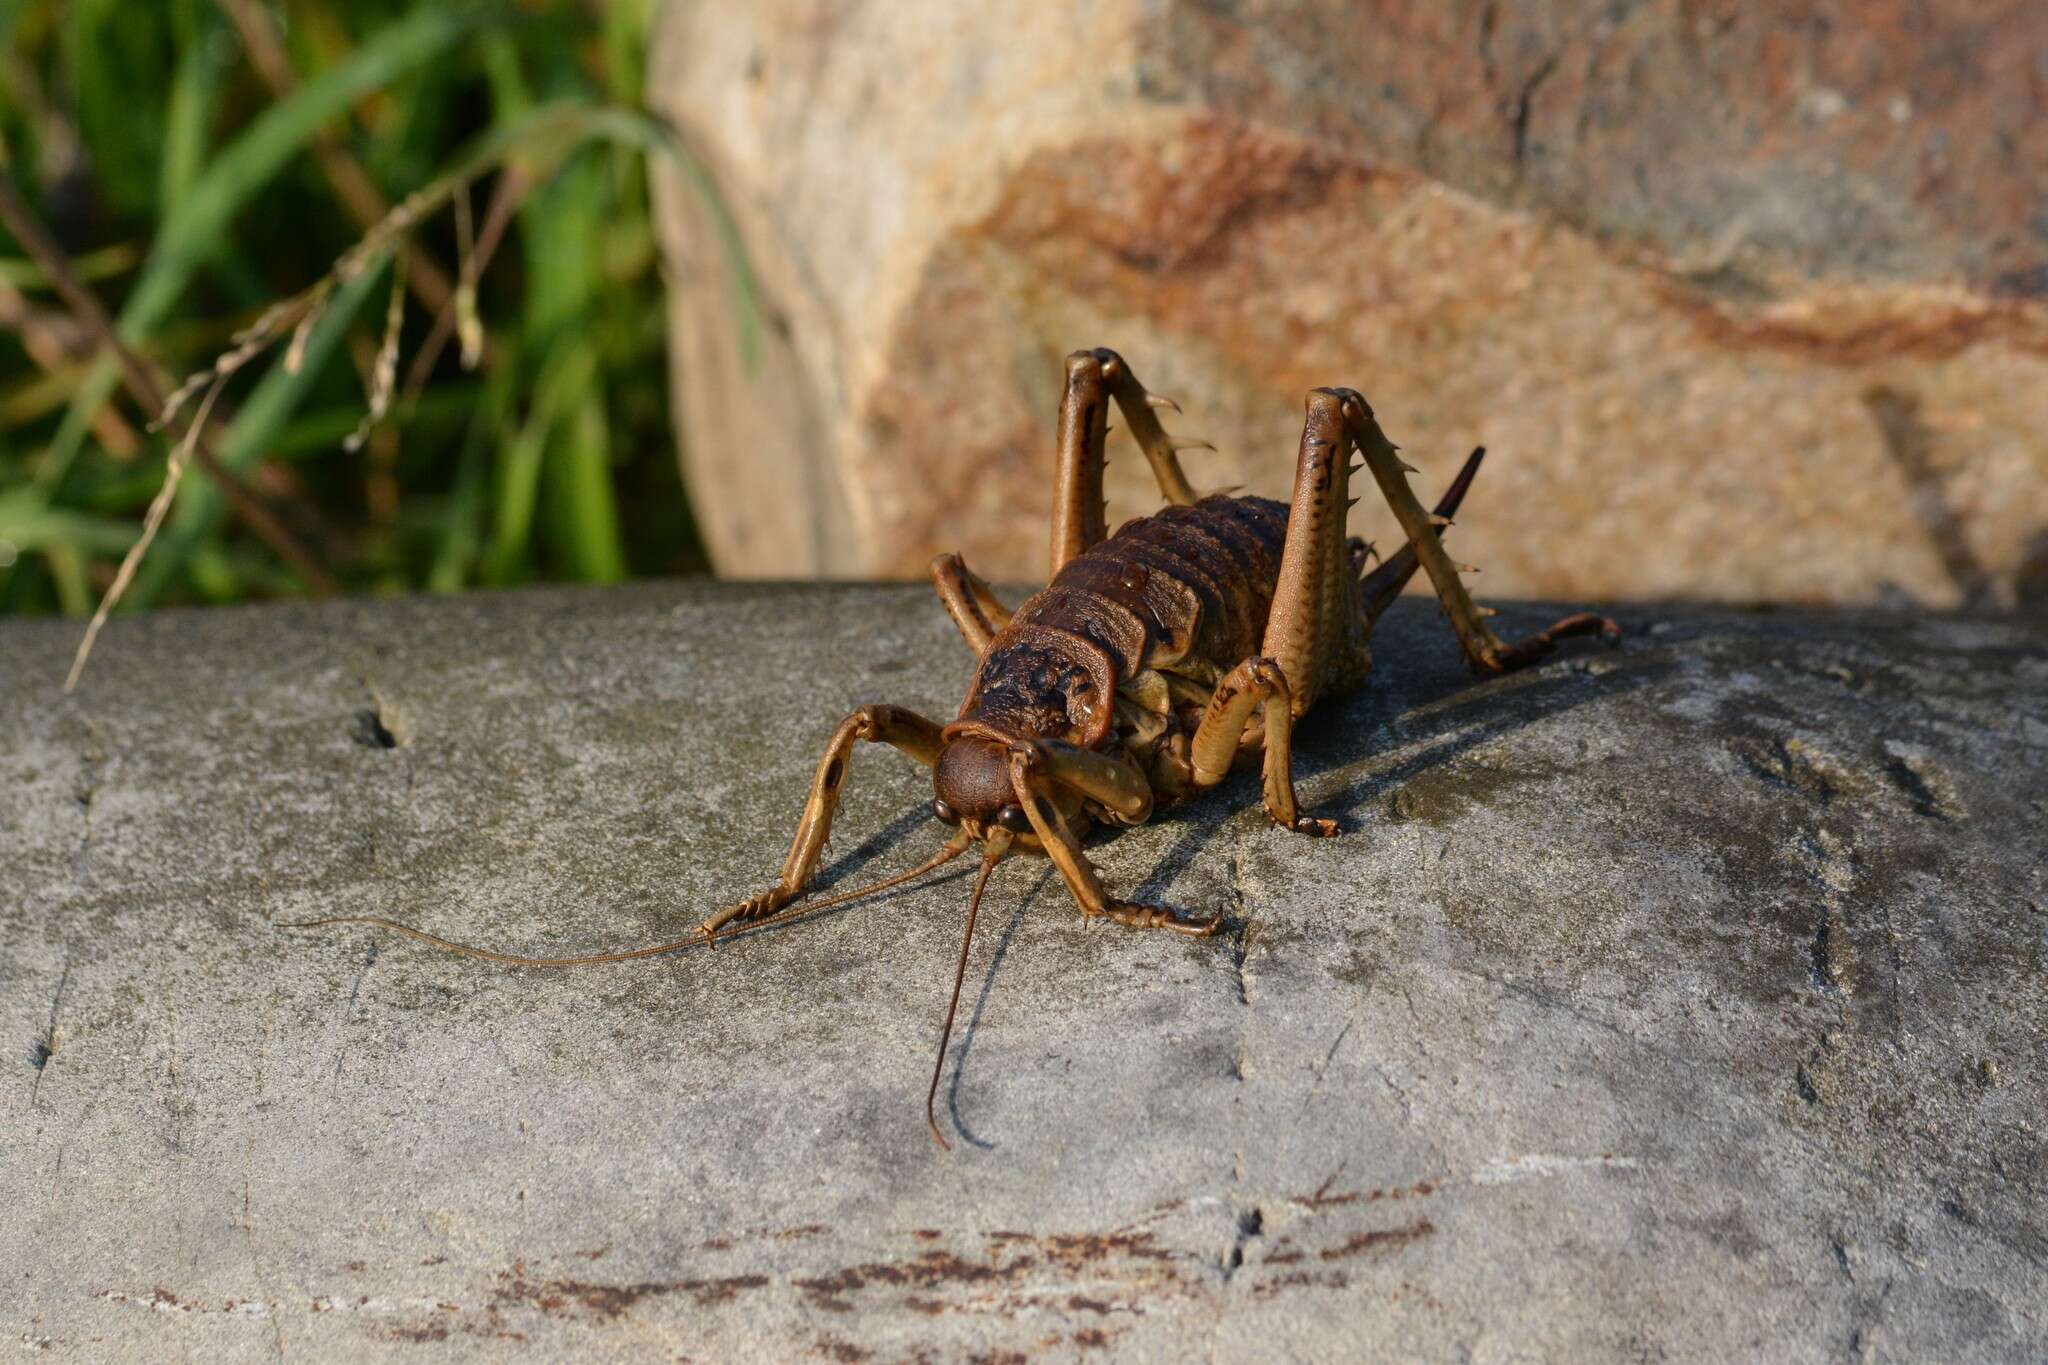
x,y
1749,300
1680,1002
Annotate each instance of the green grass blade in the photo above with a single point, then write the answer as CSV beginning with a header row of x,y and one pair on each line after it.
x,y
194,88
586,512
567,370
30,527
461,536
270,143
197,224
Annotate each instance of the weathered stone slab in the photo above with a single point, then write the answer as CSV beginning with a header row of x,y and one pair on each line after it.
x,y
1683,1001
1769,278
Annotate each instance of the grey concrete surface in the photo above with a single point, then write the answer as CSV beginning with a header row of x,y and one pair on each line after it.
x,y
1683,1001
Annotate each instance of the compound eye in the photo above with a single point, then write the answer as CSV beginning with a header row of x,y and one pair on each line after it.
x,y
1013,819
945,812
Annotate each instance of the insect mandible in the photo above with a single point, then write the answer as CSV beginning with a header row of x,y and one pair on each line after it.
x,y
1153,660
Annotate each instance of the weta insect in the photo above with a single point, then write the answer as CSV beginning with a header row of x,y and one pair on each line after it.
x,y
1153,660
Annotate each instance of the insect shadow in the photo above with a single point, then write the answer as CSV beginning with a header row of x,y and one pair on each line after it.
x,y
988,982
1421,723
1423,716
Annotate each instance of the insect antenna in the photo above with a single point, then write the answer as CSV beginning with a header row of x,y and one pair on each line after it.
x,y
696,938
988,864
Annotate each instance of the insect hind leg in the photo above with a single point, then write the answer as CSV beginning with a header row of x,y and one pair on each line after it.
x,y
972,604
1095,379
1485,651
1315,633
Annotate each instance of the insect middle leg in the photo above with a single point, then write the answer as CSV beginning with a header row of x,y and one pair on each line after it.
x,y
1257,682
904,729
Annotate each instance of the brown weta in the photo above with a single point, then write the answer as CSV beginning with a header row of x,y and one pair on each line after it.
x,y
1154,659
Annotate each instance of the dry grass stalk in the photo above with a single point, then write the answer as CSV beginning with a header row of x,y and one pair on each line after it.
x,y
384,373
159,506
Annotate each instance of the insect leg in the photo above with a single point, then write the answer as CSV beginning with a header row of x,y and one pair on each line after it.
x,y
1119,788
1486,652
969,601
1079,515
907,730
1379,588
1058,840
1314,630
1137,407
1257,682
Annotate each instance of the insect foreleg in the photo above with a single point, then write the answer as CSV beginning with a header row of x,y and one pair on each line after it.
x,y
1117,787
1060,845
969,601
1254,683
907,730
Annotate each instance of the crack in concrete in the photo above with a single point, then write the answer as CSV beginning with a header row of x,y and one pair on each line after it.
x,y
92,759
1240,953
43,1050
349,1010
1316,1084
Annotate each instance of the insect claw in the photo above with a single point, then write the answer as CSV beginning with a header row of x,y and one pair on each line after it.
x,y
1160,400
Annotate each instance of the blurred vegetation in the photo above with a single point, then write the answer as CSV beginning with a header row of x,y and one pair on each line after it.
x,y
198,160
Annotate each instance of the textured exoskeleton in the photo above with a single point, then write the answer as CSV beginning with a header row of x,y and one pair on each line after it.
x,y
1158,655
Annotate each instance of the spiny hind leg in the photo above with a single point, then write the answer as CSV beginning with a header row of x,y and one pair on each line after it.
x,y
1314,633
1485,651
1140,410
1257,682
969,601
904,729
1060,845
1095,379
1079,514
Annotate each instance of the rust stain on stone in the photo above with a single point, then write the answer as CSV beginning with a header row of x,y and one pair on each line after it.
x,y
1852,328
608,1302
1379,1240
1323,1199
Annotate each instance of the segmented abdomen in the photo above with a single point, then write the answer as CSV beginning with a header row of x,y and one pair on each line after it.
x,y
1187,583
